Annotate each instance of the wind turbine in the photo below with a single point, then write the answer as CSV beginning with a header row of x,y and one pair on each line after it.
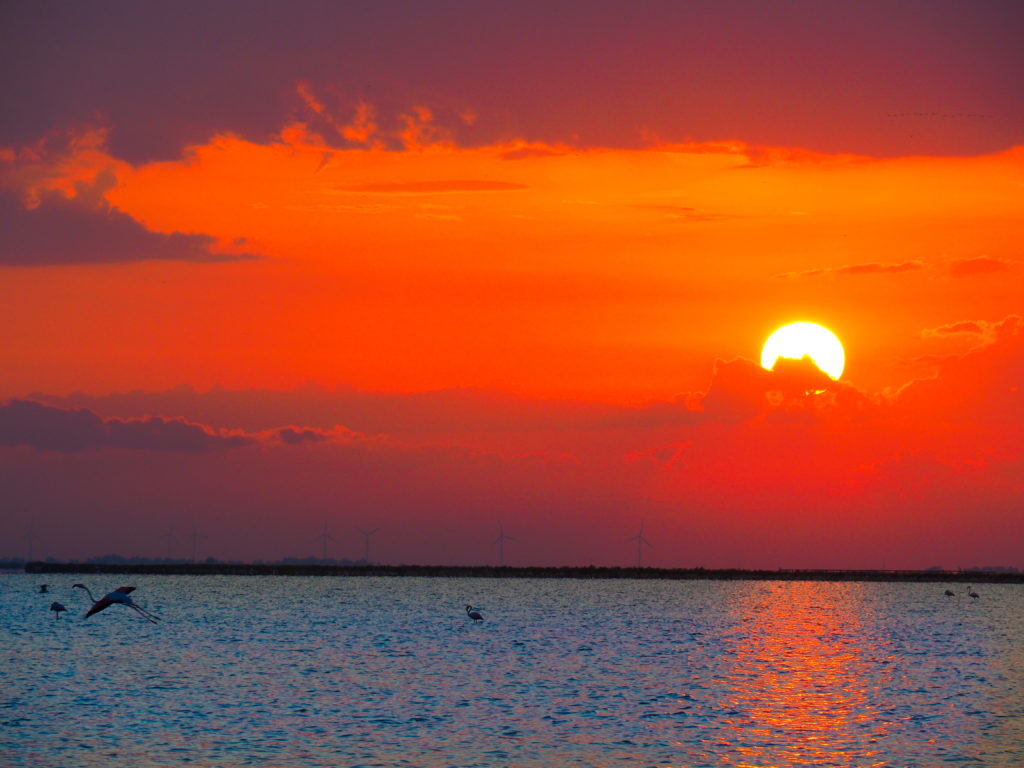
x,y
194,537
500,541
325,537
366,542
30,537
640,541
169,535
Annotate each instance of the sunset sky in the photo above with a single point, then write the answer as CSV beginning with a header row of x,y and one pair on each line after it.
x,y
443,267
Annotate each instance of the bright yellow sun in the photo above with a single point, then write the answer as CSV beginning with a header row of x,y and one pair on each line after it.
x,y
798,339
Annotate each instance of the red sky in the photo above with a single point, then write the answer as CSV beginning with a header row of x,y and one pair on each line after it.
x,y
437,268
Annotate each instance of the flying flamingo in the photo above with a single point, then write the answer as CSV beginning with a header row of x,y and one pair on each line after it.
x,y
57,608
473,613
119,595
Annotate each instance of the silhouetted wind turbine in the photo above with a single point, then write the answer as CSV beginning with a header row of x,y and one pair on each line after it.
x,y
640,541
500,541
325,537
366,542
30,537
169,535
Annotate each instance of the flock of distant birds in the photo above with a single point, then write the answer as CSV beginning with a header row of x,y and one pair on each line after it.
x,y
970,593
121,596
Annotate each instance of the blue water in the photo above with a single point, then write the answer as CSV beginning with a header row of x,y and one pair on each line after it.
x,y
291,671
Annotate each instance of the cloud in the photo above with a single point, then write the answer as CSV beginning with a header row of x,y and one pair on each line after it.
x,y
663,457
985,331
432,187
522,150
857,270
45,428
301,436
741,389
753,465
412,416
964,326
984,384
362,128
875,268
979,265
84,229
683,212
421,131
574,79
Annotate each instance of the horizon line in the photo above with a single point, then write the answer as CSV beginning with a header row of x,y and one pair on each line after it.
x,y
511,571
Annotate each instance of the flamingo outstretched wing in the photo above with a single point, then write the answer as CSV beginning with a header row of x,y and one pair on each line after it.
x,y
99,605
120,595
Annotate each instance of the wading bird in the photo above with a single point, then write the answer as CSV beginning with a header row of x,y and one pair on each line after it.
x,y
473,613
44,588
119,595
950,593
971,593
57,608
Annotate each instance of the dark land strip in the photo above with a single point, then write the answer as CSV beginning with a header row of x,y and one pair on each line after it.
x,y
512,572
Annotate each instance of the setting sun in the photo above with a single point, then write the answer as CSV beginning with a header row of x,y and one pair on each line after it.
x,y
798,339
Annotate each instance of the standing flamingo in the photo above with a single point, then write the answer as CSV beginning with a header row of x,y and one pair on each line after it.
x,y
473,613
119,595
57,608
971,593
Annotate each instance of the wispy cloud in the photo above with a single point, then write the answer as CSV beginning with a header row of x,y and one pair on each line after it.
x,y
431,187
985,331
979,265
856,270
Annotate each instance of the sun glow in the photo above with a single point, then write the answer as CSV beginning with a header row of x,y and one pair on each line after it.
x,y
798,339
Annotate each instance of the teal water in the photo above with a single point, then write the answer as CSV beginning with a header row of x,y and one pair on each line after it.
x,y
293,671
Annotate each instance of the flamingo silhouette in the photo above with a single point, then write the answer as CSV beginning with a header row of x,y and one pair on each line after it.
x,y
119,595
473,613
57,608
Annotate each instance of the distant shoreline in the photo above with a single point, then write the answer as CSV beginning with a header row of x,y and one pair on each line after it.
x,y
513,572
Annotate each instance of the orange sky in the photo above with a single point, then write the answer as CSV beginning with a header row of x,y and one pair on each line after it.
x,y
595,273
405,270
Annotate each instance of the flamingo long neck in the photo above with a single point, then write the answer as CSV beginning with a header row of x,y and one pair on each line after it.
x,y
88,591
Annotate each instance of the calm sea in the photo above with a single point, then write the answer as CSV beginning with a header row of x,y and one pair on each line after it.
x,y
294,671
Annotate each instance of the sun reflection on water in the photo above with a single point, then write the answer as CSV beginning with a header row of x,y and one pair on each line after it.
x,y
807,683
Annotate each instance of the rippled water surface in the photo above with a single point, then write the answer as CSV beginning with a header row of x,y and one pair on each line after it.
x,y
291,671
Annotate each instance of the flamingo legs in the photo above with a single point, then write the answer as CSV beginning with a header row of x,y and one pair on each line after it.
x,y
151,617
